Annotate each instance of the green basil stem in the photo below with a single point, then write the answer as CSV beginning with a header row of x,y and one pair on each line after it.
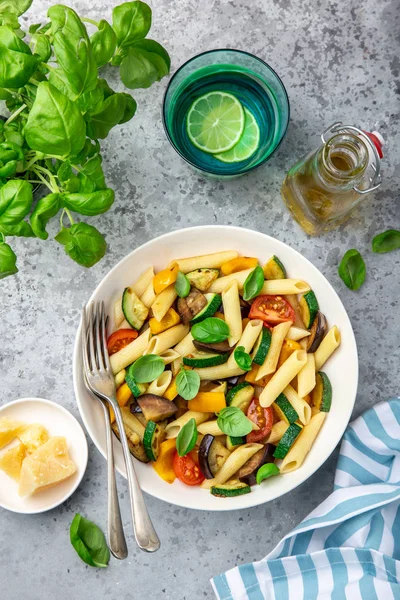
x,y
15,114
43,180
91,21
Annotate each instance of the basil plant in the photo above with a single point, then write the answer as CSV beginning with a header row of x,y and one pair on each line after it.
x,y
57,108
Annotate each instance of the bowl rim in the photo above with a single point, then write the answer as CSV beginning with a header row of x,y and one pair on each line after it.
x,y
190,162
85,449
224,506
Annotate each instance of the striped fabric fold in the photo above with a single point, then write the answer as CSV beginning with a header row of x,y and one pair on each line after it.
x,y
349,546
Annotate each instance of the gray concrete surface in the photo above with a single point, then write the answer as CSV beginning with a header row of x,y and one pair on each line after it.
x,y
339,60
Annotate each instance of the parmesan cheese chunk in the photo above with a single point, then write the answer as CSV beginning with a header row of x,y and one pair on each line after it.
x,y
33,436
11,461
9,430
47,466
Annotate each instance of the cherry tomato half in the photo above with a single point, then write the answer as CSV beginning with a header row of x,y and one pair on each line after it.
x,y
119,339
263,417
272,310
187,468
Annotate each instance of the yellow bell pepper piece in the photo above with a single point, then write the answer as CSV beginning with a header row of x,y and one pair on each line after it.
x,y
170,319
112,414
208,402
171,392
219,315
163,465
164,278
124,394
288,347
238,264
251,376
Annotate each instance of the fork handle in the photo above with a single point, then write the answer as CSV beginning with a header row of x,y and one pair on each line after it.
x,y
145,534
116,536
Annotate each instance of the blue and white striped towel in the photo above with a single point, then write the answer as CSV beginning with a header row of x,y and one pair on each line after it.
x,y
348,547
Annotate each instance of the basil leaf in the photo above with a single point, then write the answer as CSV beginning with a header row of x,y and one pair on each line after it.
x,y
55,124
72,50
17,63
187,438
253,284
147,368
15,202
141,68
89,542
182,285
187,384
103,42
130,108
45,209
352,269
89,204
41,46
242,358
266,471
131,22
109,114
17,7
232,421
8,261
83,243
386,241
211,331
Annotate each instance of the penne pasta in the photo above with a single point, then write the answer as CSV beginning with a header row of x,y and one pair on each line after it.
x,y
269,365
219,372
130,353
300,406
233,463
159,385
248,339
284,287
165,340
172,429
296,455
306,377
210,427
163,302
169,356
148,295
292,299
184,348
277,432
233,316
124,325
297,333
120,378
208,261
139,288
220,284
328,345
283,377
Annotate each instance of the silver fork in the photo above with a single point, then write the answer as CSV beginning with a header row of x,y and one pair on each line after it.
x,y
100,380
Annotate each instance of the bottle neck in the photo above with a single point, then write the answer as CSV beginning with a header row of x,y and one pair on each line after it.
x,y
343,160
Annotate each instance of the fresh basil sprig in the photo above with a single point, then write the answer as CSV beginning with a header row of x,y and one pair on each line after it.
x,y
147,368
187,384
242,358
59,108
267,470
182,285
211,331
187,438
89,542
8,260
386,241
352,269
232,421
253,284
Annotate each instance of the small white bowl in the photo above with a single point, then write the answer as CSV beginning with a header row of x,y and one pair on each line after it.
x,y
59,422
342,367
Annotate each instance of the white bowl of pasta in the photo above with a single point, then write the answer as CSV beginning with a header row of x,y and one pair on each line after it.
x,y
262,406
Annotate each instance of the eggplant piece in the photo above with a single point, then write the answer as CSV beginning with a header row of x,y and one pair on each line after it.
x,y
247,473
244,308
135,408
135,448
212,455
182,406
155,408
217,348
232,381
190,306
317,332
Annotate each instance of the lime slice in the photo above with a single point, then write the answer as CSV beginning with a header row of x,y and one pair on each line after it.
x,y
247,144
215,122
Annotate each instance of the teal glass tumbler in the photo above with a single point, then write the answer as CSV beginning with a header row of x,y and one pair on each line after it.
x,y
247,77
